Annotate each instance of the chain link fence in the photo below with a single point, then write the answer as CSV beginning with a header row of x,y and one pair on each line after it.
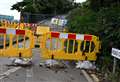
x,y
34,17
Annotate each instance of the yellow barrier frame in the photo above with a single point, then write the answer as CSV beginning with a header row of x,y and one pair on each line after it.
x,y
60,53
18,49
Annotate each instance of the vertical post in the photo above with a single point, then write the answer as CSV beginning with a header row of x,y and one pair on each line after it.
x,y
17,41
90,46
79,44
84,45
57,44
11,40
63,43
51,44
4,41
24,41
114,65
73,46
67,46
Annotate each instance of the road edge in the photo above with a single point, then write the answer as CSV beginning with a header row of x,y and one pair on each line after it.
x,y
87,76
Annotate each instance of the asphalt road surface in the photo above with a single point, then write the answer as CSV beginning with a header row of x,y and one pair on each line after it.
x,y
36,73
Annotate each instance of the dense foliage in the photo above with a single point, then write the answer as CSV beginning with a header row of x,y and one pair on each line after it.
x,y
96,5
103,21
44,6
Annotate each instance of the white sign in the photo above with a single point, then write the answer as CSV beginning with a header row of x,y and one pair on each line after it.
x,y
116,53
59,21
54,21
62,22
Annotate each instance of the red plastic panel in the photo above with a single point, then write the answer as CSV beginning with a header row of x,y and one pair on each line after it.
x,y
88,37
71,36
20,32
55,34
2,31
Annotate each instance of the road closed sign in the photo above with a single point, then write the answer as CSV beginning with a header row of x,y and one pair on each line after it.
x,y
116,53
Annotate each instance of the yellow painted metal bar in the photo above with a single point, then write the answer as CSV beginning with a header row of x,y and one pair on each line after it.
x,y
79,44
90,46
45,40
62,42
42,41
84,45
55,46
57,43
4,41
24,42
68,45
73,46
17,40
11,40
50,43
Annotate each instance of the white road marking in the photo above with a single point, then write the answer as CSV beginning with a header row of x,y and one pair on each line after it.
x,y
29,75
7,73
29,72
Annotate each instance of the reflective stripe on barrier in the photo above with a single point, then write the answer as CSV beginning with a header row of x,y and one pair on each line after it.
x,y
12,31
70,46
16,42
71,36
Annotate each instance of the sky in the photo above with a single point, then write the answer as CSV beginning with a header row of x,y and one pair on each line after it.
x,y
5,6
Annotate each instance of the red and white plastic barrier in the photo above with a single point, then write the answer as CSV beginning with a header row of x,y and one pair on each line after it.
x,y
12,31
71,36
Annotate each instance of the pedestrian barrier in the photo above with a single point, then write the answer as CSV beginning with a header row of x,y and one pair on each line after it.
x,y
16,42
70,46
8,24
40,31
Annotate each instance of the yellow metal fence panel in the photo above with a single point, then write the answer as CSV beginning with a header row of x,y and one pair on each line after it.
x,y
16,42
17,25
70,46
42,30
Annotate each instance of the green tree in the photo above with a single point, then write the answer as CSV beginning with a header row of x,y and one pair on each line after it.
x,y
98,4
44,6
104,23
